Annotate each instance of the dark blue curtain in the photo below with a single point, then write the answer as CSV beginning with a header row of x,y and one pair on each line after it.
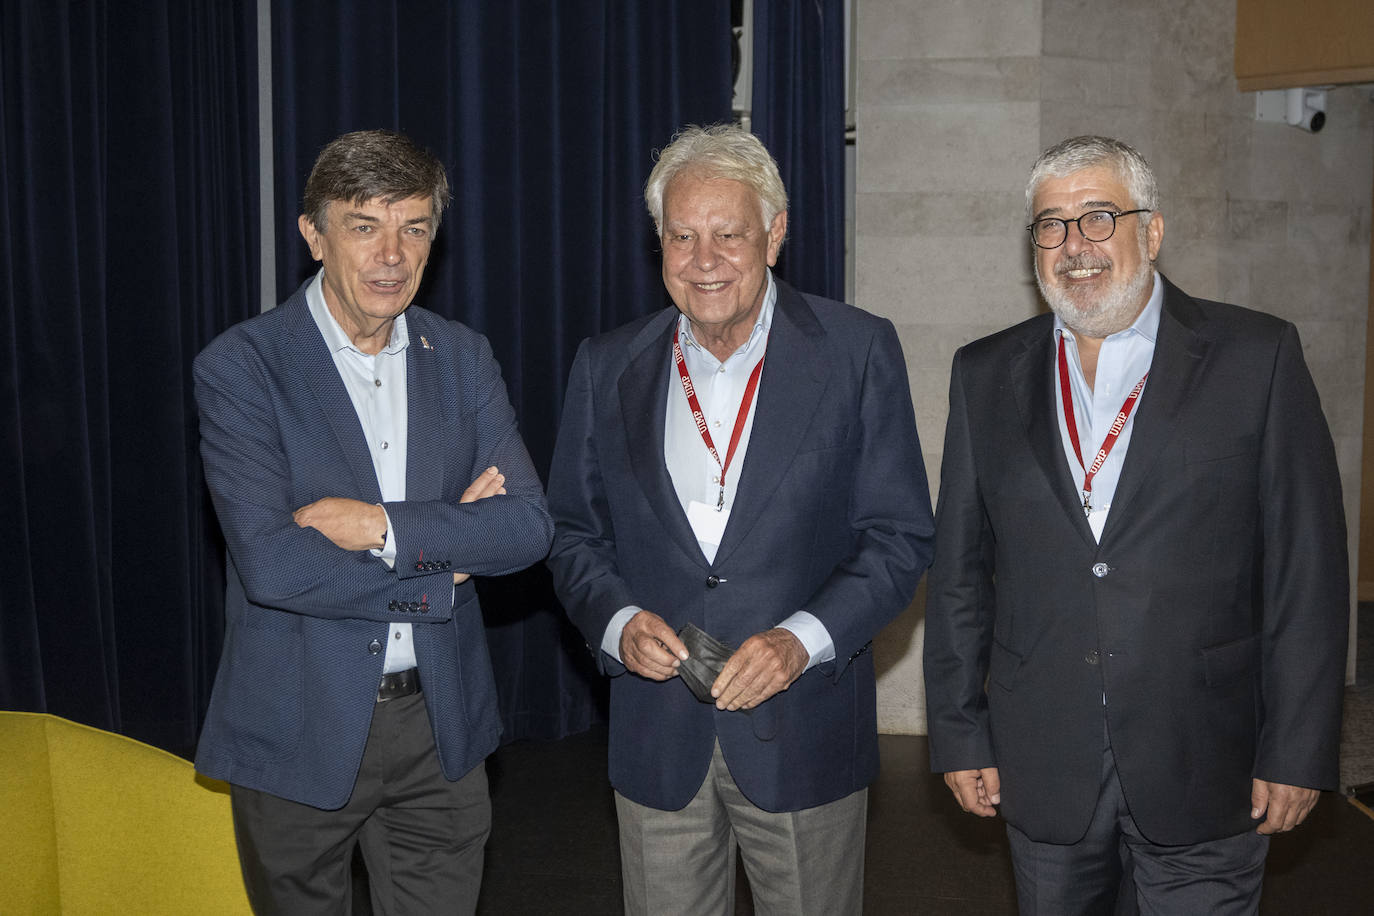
x,y
798,112
546,112
128,189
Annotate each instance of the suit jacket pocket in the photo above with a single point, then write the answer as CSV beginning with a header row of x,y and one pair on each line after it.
x,y
1231,661
266,684
1003,665
1200,450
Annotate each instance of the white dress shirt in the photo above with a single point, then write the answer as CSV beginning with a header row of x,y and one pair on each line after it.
x,y
377,387
720,389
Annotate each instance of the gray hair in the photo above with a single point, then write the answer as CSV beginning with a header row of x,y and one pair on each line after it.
x,y
1077,153
370,164
718,151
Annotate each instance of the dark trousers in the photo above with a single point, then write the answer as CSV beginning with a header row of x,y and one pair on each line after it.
x,y
422,836
1116,870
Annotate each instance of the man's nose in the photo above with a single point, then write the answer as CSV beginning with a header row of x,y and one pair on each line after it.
x,y
704,254
391,252
1074,240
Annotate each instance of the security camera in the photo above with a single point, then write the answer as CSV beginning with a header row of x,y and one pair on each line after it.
x,y
1306,108
1303,108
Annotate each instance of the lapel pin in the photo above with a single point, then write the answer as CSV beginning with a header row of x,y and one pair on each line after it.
x,y
424,342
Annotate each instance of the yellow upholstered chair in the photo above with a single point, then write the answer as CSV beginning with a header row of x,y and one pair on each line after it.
x,y
97,823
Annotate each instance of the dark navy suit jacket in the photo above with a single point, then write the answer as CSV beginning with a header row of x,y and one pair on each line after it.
x,y
832,516
306,622
1212,615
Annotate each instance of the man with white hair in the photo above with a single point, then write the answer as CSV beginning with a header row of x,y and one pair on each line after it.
x,y
1136,616
742,468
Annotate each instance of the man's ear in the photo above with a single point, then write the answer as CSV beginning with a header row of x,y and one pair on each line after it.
x,y
1154,235
311,236
776,233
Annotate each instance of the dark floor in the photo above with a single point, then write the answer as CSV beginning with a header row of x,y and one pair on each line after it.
x,y
553,843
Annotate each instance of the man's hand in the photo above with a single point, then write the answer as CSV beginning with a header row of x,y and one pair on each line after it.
x,y
766,664
1287,806
490,482
976,791
349,523
650,648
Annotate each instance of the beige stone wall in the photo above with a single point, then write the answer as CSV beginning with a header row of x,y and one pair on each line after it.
x,y
954,101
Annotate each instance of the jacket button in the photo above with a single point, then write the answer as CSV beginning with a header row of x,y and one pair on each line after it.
x,y
393,605
1101,569
712,581
1092,657
447,564
374,647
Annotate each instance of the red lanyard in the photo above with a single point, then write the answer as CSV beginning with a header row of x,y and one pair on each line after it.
x,y
1066,395
700,418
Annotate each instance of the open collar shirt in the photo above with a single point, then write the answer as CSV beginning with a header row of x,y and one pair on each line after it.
x,y
1122,361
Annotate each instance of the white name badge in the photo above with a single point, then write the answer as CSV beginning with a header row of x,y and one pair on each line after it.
x,y
707,524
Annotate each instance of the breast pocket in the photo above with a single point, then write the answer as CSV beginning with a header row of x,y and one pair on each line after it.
x,y
1204,451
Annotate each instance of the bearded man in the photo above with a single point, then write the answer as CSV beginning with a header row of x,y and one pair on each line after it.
x,y
1136,617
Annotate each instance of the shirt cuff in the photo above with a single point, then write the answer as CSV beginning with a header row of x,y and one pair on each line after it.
x,y
814,637
610,643
387,553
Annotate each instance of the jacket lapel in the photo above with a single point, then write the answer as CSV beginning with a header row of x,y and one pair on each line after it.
x,y
643,389
424,440
313,362
794,377
1180,352
1032,384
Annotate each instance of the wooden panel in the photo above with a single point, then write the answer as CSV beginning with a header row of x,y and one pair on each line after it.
x,y
1286,43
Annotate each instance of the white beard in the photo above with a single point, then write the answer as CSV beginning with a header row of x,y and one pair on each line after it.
x,y
1107,312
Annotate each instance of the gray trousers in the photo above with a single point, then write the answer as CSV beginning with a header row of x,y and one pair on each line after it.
x,y
798,862
422,836
1115,871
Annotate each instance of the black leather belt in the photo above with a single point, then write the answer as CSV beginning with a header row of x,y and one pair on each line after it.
x,y
398,684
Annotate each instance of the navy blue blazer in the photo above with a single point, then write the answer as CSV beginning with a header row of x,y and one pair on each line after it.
x,y
306,623
1212,615
832,517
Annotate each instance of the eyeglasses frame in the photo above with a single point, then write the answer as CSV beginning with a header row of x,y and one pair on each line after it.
x,y
1075,220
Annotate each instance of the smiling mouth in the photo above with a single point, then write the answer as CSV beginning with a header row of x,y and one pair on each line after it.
x,y
709,287
387,285
1083,273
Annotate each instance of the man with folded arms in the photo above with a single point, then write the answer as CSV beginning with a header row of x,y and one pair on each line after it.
x,y
364,461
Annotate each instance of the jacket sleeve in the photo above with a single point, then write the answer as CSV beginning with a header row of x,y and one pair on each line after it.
x,y
1306,586
889,510
959,603
583,559
489,537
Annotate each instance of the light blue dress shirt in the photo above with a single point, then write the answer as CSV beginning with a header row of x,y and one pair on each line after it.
x,y
377,387
696,475
1123,360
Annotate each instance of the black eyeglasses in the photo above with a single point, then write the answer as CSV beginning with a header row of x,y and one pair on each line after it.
x,y
1095,226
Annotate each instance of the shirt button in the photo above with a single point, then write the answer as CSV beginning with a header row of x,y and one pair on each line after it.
x,y
396,635
712,581
386,445
377,382
374,647
1101,569
1092,657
